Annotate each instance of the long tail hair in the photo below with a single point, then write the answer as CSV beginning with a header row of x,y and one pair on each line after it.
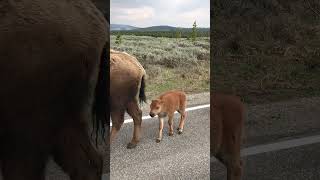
x,y
142,94
101,101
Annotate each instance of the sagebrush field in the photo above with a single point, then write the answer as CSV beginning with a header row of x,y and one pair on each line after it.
x,y
266,51
170,63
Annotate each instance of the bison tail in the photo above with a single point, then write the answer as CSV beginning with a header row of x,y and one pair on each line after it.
x,y
142,95
100,106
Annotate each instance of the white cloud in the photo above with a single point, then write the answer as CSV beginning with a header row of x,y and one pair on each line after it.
x,y
144,13
201,15
133,14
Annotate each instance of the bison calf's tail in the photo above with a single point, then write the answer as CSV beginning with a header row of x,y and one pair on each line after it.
x,y
142,95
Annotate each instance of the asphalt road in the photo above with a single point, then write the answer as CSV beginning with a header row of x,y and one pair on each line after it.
x,y
298,163
186,156
182,156
284,123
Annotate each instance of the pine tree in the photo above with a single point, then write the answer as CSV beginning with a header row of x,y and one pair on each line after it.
x,y
194,31
118,39
178,33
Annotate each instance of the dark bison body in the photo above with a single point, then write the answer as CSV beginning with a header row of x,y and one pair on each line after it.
x,y
227,120
51,53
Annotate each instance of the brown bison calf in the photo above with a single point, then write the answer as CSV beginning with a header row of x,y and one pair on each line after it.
x,y
167,104
227,118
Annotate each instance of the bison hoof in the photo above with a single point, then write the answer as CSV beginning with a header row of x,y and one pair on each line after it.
x,y
170,133
158,140
179,131
131,146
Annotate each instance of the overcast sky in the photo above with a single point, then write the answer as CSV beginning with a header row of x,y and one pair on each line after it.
x,y
144,13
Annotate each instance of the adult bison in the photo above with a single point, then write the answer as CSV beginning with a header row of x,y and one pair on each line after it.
x,y
227,118
127,83
52,74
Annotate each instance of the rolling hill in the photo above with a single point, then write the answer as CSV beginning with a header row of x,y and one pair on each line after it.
x,y
162,28
121,27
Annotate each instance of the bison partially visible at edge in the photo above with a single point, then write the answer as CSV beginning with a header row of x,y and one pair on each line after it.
x,y
226,126
52,59
127,89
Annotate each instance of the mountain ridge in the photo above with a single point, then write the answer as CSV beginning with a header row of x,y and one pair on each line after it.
x,y
123,27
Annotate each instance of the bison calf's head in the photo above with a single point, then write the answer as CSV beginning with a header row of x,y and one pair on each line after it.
x,y
155,107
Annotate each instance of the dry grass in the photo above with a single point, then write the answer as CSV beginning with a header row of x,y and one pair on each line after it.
x,y
170,63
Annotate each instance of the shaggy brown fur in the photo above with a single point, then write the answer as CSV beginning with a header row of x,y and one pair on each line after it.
x,y
167,104
104,7
227,118
50,55
126,89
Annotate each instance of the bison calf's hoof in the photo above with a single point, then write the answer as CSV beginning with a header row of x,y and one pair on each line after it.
x,y
158,140
131,146
179,131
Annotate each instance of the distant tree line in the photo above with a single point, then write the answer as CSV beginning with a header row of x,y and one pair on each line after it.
x,y
168,34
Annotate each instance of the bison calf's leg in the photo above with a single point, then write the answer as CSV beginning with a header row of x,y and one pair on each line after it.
x,y
182,111
181,123
117,121
160,130
170,122
136,114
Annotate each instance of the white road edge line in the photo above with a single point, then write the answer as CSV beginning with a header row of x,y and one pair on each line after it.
x,y
259,149
187,109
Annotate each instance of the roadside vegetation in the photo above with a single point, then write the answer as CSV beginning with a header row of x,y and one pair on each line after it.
x,y
184,33
266,50
170,63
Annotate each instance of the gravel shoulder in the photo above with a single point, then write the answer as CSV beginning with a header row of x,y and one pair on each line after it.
x,y
282,120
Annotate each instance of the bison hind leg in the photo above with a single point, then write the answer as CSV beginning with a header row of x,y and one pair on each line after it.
x,y
233,165
24,165
76,155
136,114
117,117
